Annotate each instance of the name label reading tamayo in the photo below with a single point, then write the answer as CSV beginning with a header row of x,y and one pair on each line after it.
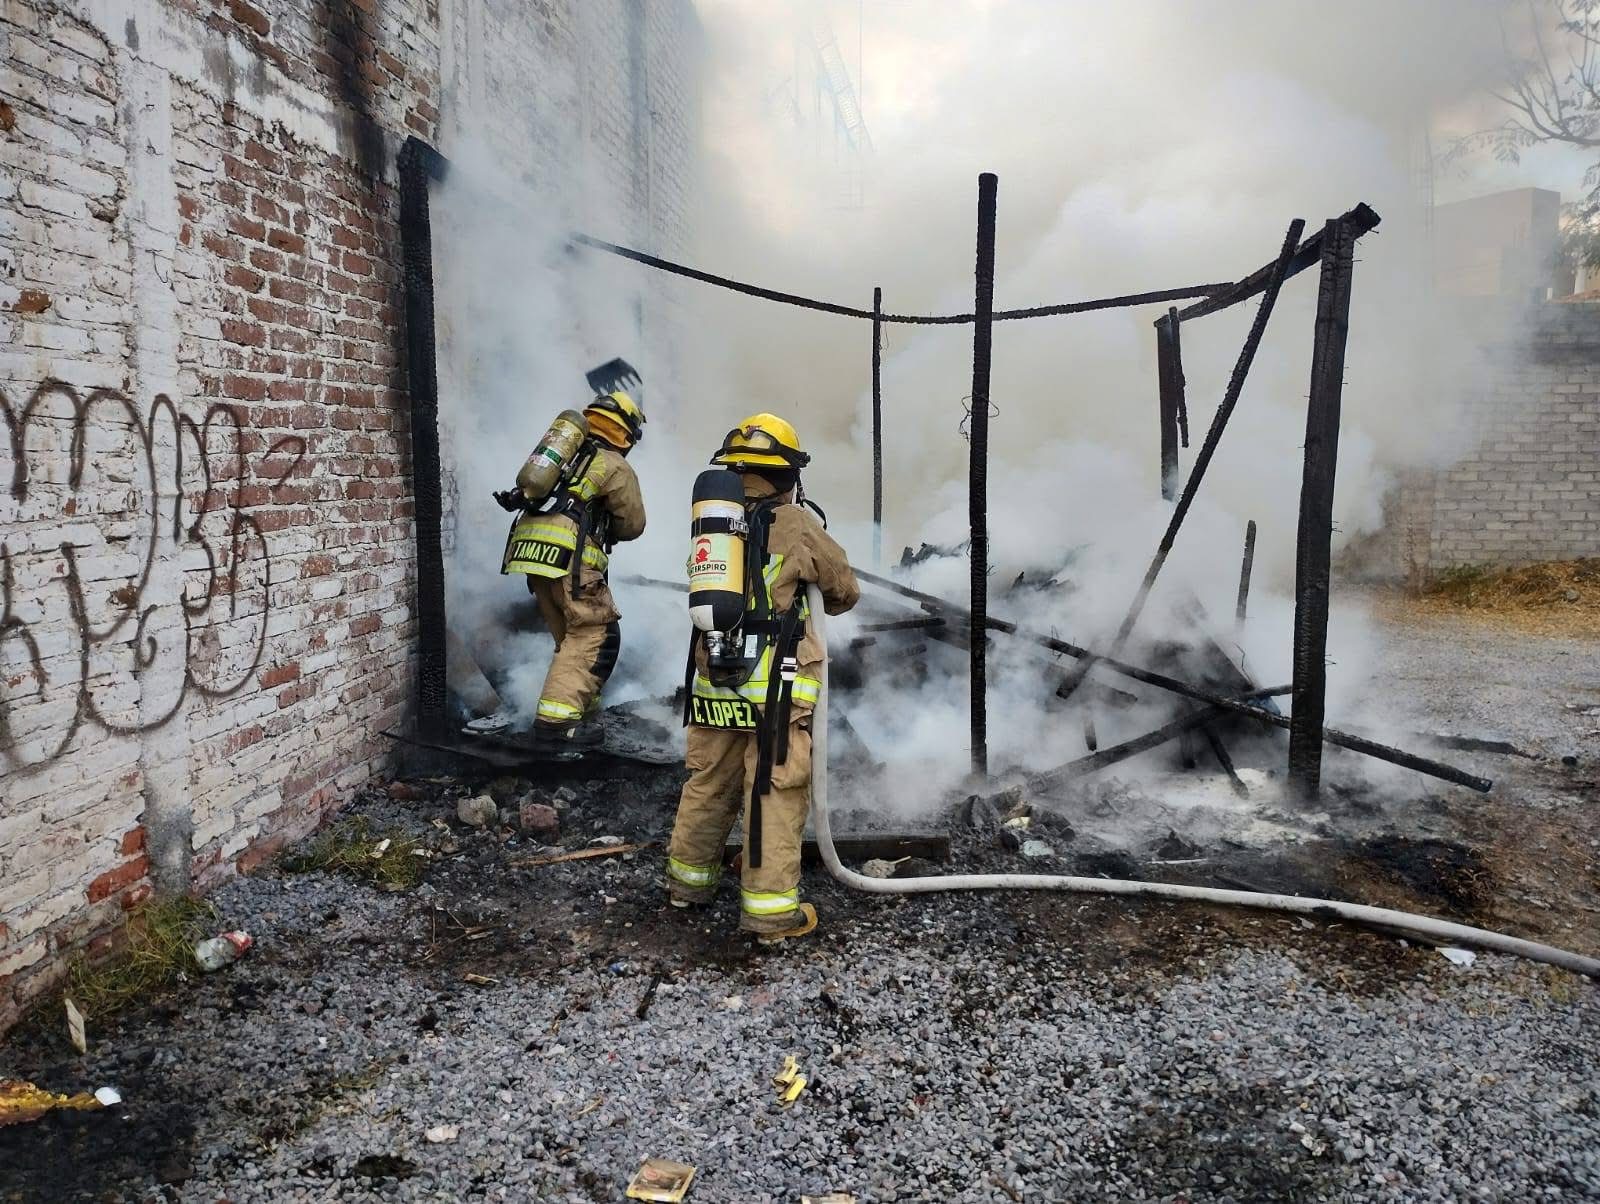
x,y
535,552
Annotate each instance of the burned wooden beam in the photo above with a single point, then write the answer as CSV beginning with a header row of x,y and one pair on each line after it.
x,y
1246,566
1095,761
1371,748
1362,220
1314,542
1234,677
1208,448
417,164
877,428
978,467
924,622
1169,383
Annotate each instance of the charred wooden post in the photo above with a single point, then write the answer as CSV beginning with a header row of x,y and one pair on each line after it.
x,y
877,428
977,473
418,163
1313,547
1169,378
1246,566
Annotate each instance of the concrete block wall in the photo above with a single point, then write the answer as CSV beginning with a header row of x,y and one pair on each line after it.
x,y
206,538
1530,489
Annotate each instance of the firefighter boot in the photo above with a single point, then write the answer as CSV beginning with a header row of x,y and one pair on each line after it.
x,y
566,741
805,921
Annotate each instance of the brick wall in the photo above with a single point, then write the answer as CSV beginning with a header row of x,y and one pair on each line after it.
x,y
1530,490
1529,487
206,541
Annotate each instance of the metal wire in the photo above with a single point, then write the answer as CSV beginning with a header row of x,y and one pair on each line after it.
x,y
851,311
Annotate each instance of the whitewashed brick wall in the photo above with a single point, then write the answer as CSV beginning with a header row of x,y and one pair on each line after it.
x,y
1529,490
206,537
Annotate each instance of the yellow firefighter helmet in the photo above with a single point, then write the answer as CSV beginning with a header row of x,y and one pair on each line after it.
x,y
617,418
761,441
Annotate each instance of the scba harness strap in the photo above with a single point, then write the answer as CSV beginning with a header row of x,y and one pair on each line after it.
x,y
772,738
548,550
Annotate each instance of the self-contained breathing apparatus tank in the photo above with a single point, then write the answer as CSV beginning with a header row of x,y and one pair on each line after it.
x,y
557,449
718,539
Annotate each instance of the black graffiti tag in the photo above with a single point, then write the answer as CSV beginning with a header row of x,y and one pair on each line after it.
x,y
193,503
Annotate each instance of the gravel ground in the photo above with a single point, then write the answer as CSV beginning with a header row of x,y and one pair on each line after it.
x,y
958,1048
1542,693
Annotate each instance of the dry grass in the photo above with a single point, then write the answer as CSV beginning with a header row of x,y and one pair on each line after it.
x,y
1560,597
391,860
159,951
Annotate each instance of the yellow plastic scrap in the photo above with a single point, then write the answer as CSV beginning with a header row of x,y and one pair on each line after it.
x,y
22,1102
789,1081
786,1076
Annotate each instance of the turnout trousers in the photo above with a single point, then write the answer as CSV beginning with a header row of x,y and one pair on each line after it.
x,y
588,637
722,769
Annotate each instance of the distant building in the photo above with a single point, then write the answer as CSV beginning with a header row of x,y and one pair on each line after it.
x,y
1503,245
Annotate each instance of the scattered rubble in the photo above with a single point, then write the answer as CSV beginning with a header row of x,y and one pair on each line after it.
x,y
478,811
539,820
75,1029
661,1179
980,813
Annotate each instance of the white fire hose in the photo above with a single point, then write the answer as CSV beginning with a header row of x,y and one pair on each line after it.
x,y
1402,923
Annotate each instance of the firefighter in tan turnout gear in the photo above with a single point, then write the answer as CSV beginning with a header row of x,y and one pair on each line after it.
x,y
578,496
753,675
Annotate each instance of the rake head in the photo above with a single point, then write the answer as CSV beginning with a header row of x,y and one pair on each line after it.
x,y
614,374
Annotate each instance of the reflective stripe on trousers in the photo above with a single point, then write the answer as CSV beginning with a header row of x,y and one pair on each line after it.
x,y
770,902
693,875
552,711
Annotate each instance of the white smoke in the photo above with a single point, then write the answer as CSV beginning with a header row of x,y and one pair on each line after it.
x,y
1138,147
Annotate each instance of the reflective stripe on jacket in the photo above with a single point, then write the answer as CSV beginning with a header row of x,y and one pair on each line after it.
x,y
541,545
